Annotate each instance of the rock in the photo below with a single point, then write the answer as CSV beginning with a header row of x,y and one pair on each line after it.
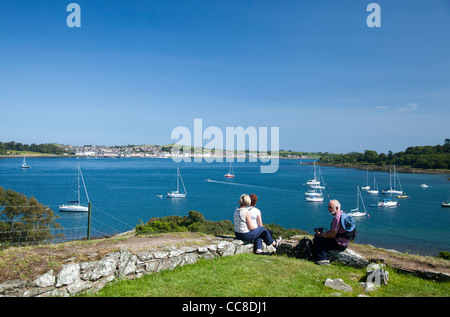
x,y
338,284
348,257
126,263
45,280
97,269
368,287
12,284
376,274
69,274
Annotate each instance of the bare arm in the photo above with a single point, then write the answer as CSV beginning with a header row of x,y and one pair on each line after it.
x,y
259,220
248,220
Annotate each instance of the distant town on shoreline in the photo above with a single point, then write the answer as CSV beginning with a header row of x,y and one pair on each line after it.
x,y
428,157
156,151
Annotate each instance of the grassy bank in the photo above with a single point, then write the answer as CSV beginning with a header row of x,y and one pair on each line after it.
x,y
249,275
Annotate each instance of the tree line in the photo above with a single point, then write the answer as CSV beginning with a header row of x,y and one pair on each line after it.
x,y
428,157
39,148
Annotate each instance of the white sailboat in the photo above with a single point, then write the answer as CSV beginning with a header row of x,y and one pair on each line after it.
x,y
355,212
314,181
24,163
230,174
392,189
75,205
367,187
373,191
177,194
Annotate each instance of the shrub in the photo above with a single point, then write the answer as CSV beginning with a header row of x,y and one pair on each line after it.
x,y
444,255
196,222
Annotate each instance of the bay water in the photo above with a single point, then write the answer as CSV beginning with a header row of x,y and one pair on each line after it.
x,y
127,191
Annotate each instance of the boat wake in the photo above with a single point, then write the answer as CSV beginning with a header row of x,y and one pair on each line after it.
x,y
250,185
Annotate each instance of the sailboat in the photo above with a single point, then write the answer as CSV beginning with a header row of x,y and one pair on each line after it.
x,y
391,189
367,187
373,191
230,173
317,182
177,194
75,205
355,212
24,163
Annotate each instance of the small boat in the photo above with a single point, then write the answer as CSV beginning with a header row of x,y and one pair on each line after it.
x,y
230,174
177,194
387,202
367,187
445,204
402,196
373,191
24,163
314,195
424,185
314,198
75,205
355,212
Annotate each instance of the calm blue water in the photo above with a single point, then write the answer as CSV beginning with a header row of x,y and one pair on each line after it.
x,y
124,192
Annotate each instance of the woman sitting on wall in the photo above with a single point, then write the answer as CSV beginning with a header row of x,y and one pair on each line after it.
x,y
246,231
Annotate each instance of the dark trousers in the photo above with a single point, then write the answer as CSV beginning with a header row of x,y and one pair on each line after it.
x,y
257,235
322,245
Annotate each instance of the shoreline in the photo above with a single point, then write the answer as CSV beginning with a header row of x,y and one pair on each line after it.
x,y
386,168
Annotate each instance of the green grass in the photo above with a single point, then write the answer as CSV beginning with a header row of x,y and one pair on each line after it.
x,y
249,275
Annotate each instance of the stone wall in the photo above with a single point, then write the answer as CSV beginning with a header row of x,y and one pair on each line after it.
x,y
92,276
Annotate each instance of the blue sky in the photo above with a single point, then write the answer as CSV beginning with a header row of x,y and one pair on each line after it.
x,y
136,70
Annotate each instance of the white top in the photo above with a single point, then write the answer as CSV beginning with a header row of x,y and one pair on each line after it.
x,y
240,225
254,213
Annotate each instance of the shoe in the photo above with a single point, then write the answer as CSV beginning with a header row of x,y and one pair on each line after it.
x,y
322,262
258,252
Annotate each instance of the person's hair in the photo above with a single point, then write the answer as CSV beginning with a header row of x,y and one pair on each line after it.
x,y
254,199
336,203
245,200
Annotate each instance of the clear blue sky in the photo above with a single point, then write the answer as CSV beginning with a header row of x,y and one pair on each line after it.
x,y
135,70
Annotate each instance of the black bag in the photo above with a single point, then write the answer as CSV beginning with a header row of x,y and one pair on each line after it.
x,y
304,249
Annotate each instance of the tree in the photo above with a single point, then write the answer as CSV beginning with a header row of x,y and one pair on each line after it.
x,y
23,220
370,156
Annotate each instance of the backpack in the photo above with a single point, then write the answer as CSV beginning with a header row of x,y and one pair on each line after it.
x,y
304,249
348,223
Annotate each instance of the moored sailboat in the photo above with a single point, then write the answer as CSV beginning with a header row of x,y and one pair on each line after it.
x,y
177,194
75,205
373,191
392,189
356,212
230,174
